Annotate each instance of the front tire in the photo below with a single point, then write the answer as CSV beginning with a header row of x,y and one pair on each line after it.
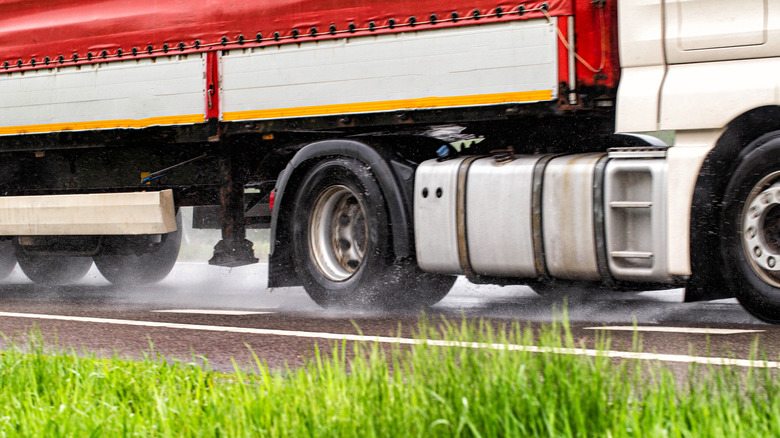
x,y
342,238
750,229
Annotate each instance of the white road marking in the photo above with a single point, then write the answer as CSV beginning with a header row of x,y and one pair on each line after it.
x,y
211,312
703,331
678,358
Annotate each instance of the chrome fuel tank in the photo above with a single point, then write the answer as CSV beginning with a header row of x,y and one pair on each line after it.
x,y
435,216
475,216
567,217
583,217
499,225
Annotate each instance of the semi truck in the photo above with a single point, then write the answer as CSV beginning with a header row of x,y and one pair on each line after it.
x,y
391,146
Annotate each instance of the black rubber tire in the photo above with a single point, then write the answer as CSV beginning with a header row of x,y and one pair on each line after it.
x,y
379,281
759,297
53,270
7,258
146,268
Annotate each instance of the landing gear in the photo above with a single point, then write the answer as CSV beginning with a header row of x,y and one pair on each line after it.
x,y
153,261
342,239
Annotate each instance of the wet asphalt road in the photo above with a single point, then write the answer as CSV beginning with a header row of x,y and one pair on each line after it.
x,y
220,314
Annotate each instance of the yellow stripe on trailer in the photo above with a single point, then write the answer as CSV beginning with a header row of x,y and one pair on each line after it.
x,y
103,124
391,105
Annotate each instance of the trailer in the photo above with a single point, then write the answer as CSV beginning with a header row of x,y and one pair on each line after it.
x,y
393,145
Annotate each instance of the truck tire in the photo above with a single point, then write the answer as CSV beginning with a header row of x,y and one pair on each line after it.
x,y
145,268
53,270
342,242
750,229
7,258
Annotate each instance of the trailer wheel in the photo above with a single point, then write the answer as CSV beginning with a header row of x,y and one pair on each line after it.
x,y
7,258
342,240
750,230
146,268
53,270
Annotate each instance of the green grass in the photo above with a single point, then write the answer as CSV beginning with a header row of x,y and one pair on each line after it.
x,y
368,390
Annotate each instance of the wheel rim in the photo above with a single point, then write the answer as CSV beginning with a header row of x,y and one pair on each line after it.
x,y
760,227
338,233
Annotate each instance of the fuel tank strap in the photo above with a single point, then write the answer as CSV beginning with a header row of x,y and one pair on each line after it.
x,y
536,213
599,229
463,249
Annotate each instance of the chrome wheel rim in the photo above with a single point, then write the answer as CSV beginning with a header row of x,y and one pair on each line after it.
x,y
338,233
760,227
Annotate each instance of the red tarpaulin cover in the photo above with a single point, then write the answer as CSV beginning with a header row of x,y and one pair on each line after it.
x,y
32,30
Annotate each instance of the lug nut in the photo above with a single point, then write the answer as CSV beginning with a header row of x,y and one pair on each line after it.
x,y
771,262
751,232
757,251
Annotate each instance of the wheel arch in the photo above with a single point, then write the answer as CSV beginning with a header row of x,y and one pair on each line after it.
x,y
709,191
394,175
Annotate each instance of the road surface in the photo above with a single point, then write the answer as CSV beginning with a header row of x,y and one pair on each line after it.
x,y
221,314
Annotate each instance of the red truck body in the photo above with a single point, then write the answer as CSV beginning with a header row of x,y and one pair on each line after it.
x,y
44,33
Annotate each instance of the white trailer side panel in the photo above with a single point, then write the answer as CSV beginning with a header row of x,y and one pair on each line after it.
x,y
125,94
478,65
